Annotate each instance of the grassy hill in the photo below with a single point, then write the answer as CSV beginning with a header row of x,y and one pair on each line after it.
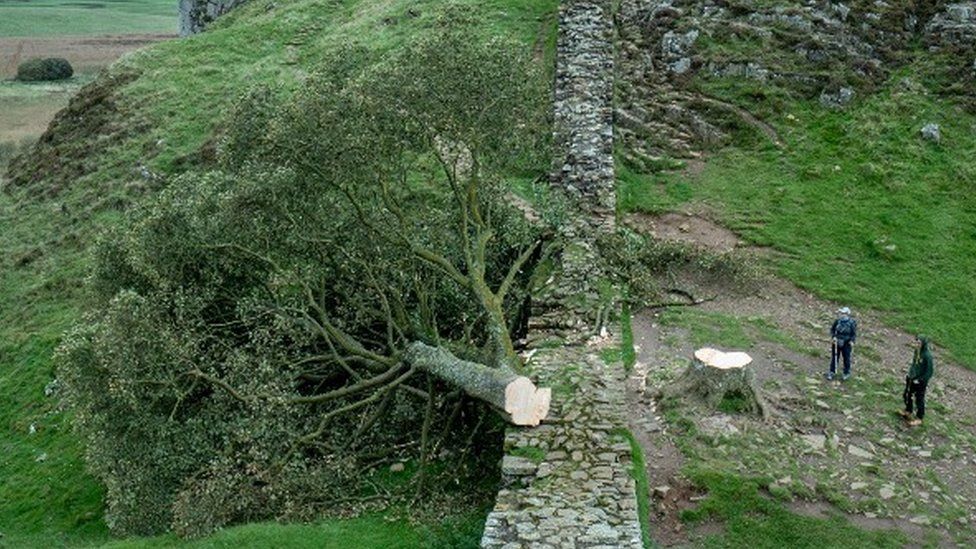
x,y
154,114
854,204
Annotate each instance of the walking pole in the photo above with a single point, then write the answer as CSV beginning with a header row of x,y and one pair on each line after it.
x,y
833,356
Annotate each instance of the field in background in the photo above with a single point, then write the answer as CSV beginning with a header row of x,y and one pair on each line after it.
x,y
87,54
27,108
58,18
90,35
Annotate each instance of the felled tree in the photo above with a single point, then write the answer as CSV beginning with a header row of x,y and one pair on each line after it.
x,y
261,334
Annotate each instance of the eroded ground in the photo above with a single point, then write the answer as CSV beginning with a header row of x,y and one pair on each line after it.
x,y
831,450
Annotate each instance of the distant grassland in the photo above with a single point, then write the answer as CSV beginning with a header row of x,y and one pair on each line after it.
x,y
859,208
36,18
25,109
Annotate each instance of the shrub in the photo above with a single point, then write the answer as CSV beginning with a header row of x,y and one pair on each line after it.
x,y
44,70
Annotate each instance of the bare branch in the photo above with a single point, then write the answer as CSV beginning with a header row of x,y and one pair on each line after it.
x,y
515,269
222,384
347,390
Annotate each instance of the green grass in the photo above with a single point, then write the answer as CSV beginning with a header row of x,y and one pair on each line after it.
x,y
638,471
533,453
754,520
52,18
363,532
707,328
860,209
185,91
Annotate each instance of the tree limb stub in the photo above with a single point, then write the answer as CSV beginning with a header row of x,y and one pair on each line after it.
x,y
518,399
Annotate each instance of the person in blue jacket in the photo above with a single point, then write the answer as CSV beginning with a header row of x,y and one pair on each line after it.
x,y
843,334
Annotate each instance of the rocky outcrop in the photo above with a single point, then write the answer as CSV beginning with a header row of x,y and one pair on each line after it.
x,y
691,73
195,15
953,28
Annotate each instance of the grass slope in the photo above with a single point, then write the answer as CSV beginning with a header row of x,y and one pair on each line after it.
x,y
53,18
856,206
367,531
184,90
752,520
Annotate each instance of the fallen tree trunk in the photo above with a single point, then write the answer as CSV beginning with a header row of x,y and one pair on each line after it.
x,y
514,396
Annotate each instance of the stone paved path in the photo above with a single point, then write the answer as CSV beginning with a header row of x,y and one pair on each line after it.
x,y
567,483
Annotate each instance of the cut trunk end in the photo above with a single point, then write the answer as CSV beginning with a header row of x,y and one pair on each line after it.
x,y
525,403
515,397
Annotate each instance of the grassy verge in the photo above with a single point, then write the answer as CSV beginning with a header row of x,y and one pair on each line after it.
x,y
367,531
638,472
754,520
859,207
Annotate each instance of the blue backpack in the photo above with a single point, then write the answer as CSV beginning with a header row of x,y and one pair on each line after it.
x,y
844,330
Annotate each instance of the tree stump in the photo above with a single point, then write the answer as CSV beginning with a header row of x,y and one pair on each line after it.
x,y
722,380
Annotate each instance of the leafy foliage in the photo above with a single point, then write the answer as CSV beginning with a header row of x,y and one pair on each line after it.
x,y
243,356
42,70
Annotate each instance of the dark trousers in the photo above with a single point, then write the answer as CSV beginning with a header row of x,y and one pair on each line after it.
x,y
916,392
838,351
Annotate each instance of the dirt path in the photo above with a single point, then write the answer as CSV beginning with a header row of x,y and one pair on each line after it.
x,y
919,481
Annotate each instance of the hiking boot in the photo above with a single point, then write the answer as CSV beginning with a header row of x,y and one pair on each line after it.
x,y
904,414
914,423
845,377
829,376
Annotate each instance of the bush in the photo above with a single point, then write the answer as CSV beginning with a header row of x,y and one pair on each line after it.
x,y
44,70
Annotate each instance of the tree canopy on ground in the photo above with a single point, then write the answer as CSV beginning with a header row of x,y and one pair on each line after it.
x,y
263,334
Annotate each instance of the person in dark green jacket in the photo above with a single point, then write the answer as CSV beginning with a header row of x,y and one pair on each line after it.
x,y
917,381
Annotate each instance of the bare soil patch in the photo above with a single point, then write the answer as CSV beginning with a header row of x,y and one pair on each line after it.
x,y
838,449
694,230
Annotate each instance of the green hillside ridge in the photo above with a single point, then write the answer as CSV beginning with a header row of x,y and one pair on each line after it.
x,y
855,206
147,118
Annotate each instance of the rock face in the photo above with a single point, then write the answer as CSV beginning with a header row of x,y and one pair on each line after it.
x,y
195,15
954,27
693,74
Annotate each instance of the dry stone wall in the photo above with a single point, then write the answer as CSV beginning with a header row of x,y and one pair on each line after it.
x,y
583,106
567,483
